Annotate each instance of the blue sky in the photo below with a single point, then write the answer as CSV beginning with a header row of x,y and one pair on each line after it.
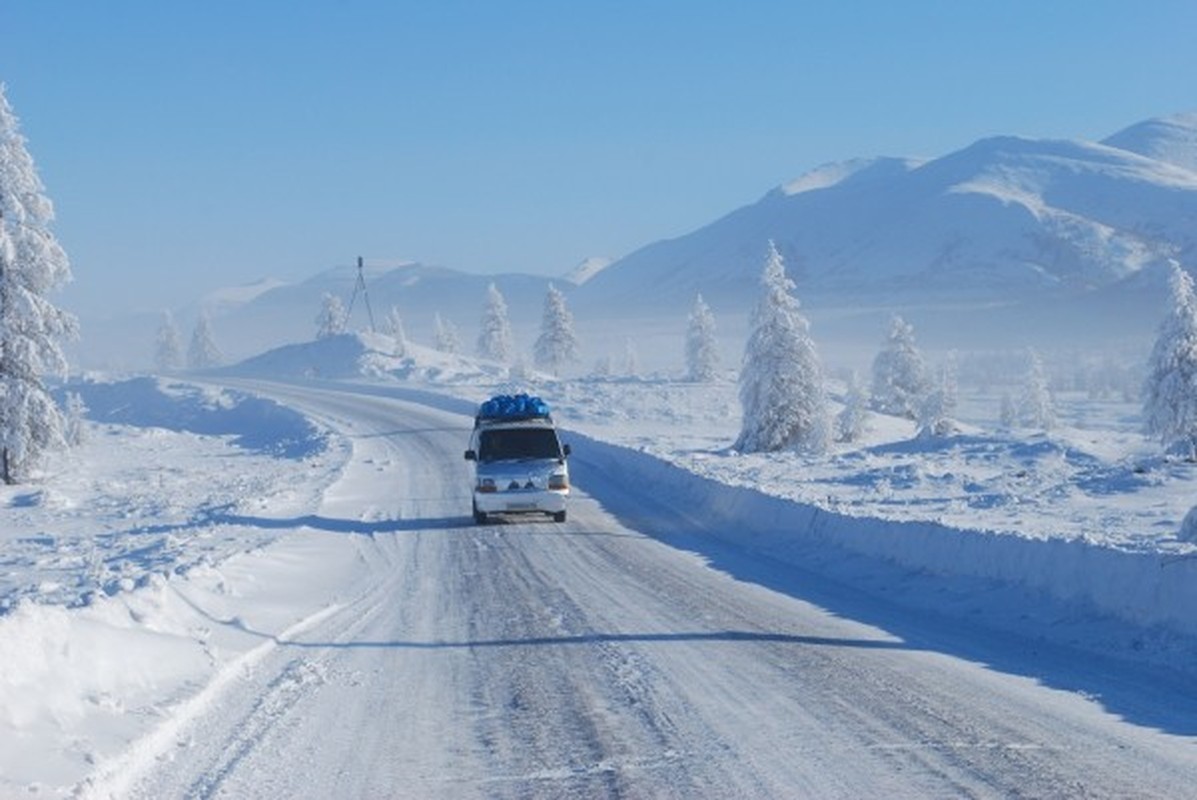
x,y
195,145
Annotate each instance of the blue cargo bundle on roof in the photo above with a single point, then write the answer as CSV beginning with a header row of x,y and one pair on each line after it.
x,y
512,407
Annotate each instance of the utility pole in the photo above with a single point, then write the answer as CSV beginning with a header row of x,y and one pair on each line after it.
x,y
361,286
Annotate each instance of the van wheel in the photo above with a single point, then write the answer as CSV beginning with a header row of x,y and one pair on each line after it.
x,y
479,516
559,516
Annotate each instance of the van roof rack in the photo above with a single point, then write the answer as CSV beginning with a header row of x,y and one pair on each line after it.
x,y
512,408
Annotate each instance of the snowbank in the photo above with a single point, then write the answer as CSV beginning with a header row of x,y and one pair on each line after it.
x,y
352,356
255,423
1144,588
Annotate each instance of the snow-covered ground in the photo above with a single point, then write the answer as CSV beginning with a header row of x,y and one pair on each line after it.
x,y
1094,477
119,564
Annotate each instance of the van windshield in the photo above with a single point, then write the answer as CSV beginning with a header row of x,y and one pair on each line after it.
x,y
511,444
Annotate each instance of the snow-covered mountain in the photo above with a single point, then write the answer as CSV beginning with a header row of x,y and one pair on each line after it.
x,y
1005,219
226,299
1172,140
587,269
1025,239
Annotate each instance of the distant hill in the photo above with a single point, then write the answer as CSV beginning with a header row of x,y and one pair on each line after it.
x,y
587,270
1007,220
1006,242
1172,140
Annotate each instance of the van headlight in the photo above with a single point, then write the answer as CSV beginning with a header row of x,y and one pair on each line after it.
x,y
558,483
486,485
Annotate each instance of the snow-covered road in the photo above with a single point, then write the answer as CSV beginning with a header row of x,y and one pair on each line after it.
x,y
590,660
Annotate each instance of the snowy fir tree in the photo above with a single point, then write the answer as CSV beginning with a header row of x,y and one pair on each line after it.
x,y
1007,413
1170,390
495,341
853,420
168,346
781,379
394,327
333,318
938,406
1036,409
75,430
446,339
602,367
519,371
949,381
631,359
203,352
556,345
702,352
32,330
899,375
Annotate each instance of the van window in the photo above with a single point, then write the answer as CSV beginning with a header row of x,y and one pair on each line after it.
x,y
518,443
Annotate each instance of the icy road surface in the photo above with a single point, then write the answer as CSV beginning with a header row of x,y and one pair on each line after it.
x,y
588,660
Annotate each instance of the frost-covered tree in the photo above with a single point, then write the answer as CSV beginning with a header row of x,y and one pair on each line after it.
x,y
949,381
631,359
519,373
75,430
1007,413
394,327
333,318
781,379
899,375
168,345
702,351
203,352
1036,409
446,339
1170,390
32,265
938,406
853,420
557,344
495,340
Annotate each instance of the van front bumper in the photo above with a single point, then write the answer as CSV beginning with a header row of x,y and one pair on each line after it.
x,y
521,501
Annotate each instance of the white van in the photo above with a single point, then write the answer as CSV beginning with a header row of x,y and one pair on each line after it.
x,y
519,461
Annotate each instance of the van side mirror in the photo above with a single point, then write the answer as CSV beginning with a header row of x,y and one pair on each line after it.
x,y
565,449
470,455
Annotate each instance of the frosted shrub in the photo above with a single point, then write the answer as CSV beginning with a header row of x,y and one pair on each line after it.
x,y
1007,414
631,359
519,371
937,407
75,431
853,420
394,326
333,318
